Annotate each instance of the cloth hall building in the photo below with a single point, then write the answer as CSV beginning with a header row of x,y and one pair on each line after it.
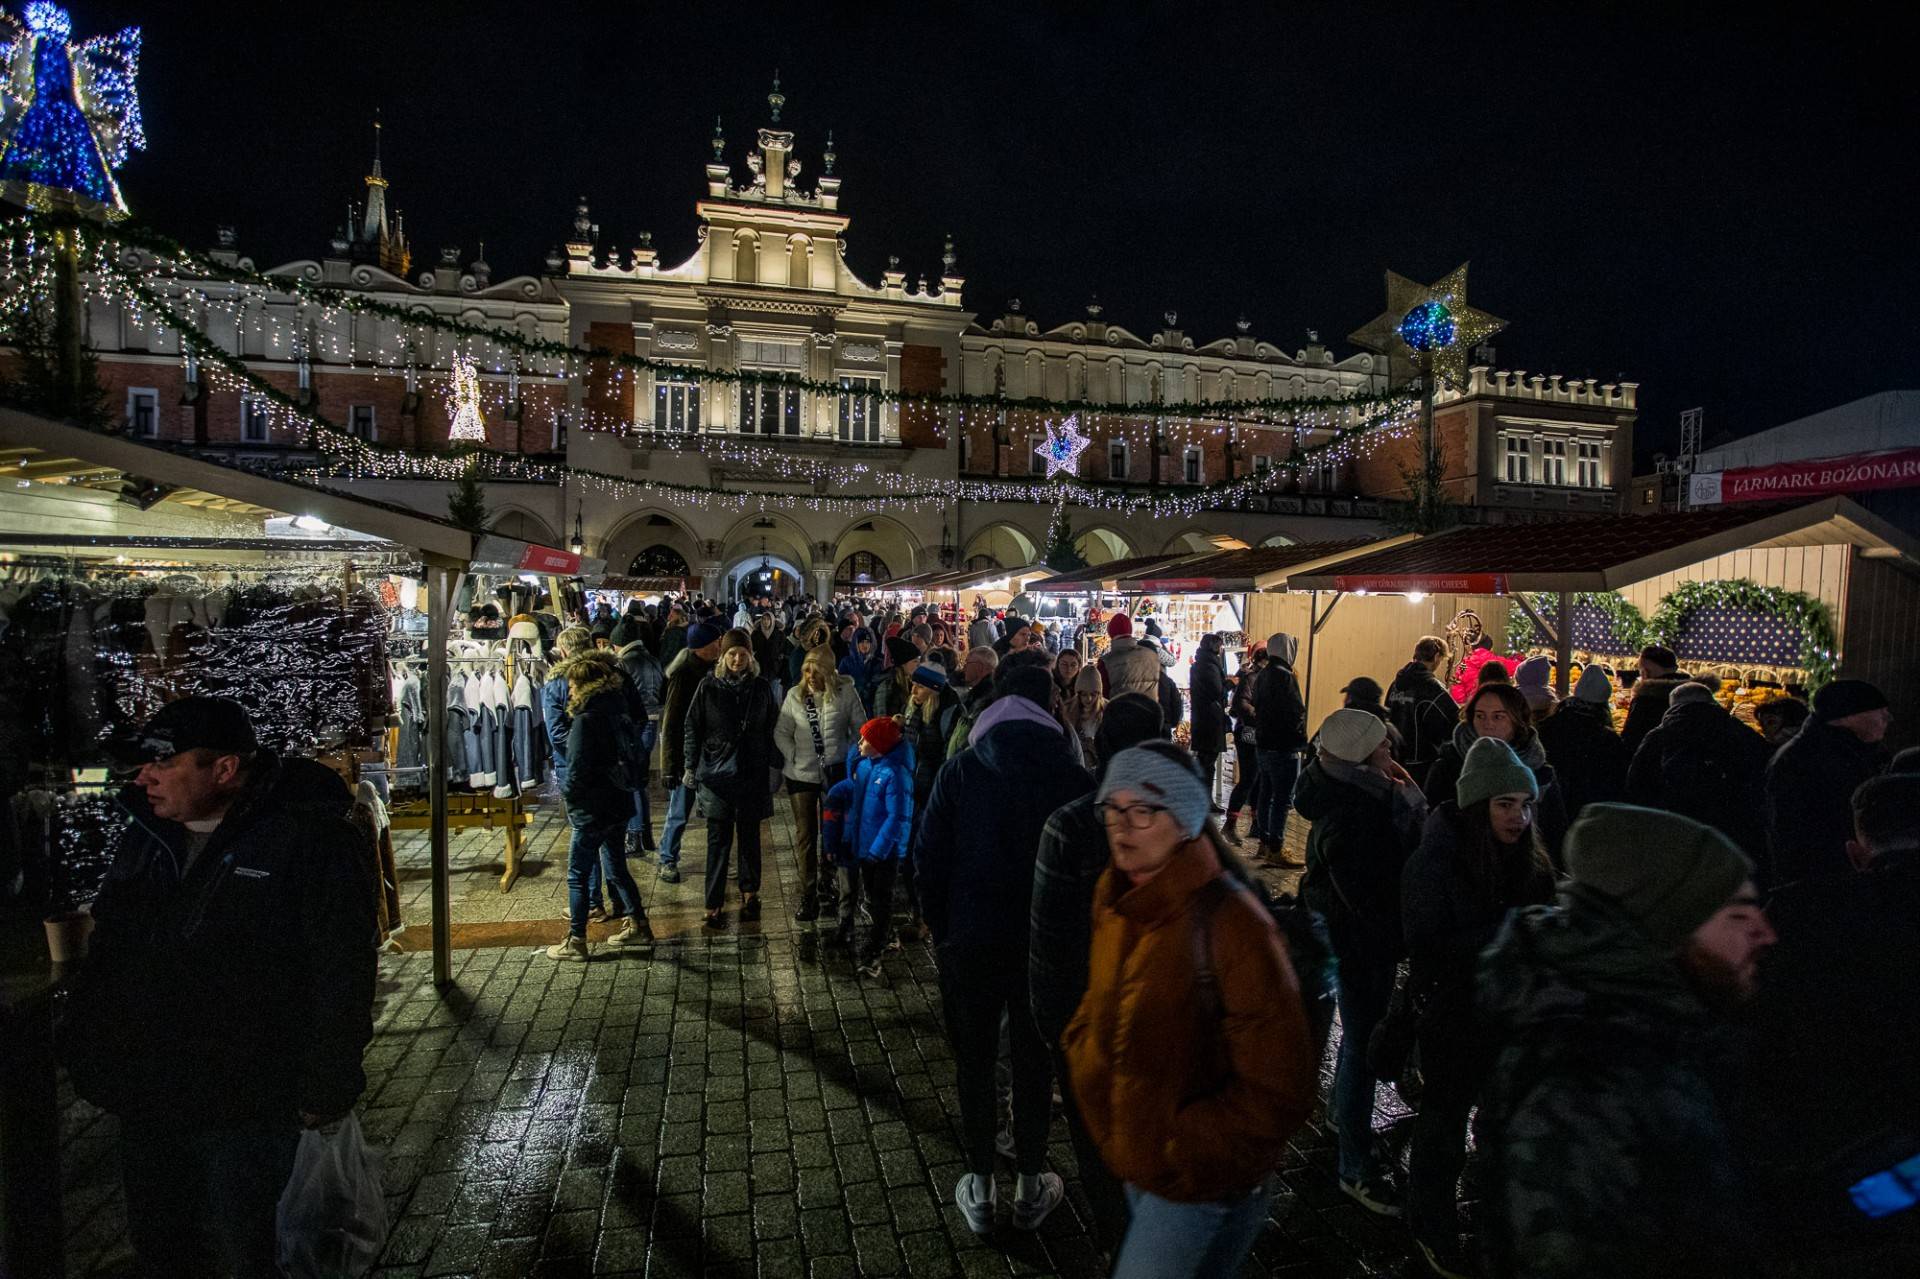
x,y
766,287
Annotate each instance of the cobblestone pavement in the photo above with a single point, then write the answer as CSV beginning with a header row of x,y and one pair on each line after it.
x,y
737,1103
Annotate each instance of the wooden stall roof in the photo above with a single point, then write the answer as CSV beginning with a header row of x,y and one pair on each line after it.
x,y
1103,577
36,448
1250,569
1600,554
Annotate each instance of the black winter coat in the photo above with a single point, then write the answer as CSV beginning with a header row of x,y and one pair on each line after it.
x,y
1810,786
1451,914
1651,697
1424,711
1354,860
927,736
1589,757
1208,685
1073,853
1443,780
975,848
684,672
598,754
729,747
1280,716
243,992
1704,764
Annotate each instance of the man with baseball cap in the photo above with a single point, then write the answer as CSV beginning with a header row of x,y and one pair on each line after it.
x,y
1607,1146
229,991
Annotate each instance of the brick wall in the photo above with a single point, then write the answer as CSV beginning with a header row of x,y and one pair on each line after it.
x,y
922,369
603,393
1379,473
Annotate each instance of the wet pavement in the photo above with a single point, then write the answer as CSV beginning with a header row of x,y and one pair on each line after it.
x,y
736,1103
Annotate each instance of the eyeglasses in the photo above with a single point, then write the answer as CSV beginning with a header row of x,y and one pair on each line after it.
x,y
1136,816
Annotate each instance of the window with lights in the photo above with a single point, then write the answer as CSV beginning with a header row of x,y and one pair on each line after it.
x,y
1190,464
676,402
1589,474
254,420
860,410
1519,457
767,408
360,422
1119,464
1553,461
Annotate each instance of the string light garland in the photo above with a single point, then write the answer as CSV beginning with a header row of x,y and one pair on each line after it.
x,y
175,262
348,456
69,113
1626,622
1819,645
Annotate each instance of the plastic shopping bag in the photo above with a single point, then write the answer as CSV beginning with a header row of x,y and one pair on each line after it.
x,y
332,1220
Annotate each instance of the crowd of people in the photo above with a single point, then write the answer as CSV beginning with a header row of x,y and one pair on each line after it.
x,y
1643,988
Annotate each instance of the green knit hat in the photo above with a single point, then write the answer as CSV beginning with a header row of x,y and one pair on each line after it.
x,y
1669,872
1491,768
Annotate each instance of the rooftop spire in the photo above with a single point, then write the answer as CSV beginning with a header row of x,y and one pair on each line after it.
x,y
776,99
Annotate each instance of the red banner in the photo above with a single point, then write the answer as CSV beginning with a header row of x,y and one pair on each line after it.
x,y
545,559
1814,477
1426,583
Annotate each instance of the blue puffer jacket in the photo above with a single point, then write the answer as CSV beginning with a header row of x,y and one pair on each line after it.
x,y
880,816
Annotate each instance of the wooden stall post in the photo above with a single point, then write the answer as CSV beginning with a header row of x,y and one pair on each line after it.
x,y
440,587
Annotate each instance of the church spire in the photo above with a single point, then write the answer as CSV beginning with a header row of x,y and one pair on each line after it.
x,y
376,239
373,229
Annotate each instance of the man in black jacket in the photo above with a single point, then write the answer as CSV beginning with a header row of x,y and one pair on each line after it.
x,y
1421,708
1280,717
1812,779
1660,674
1702,763
689,666
975,848
229,993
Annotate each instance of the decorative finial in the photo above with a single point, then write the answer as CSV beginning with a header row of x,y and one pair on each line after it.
x,y
947,258
1013,306
582,223
1172,318
1313,336
893,261
1094,309
829,157
1243,323
719,139
776,99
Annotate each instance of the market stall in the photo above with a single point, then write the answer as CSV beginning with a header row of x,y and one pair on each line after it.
x,y
1081,599
1790,595
137,574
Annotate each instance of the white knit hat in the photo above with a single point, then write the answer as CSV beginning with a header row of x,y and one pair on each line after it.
x,y
1352,734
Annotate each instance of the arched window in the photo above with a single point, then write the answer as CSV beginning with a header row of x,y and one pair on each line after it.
x,y
746,258
862,568
799,262
981,563
659,560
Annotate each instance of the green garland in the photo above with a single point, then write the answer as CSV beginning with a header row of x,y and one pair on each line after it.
x,y
1819,645
1628,623
126,236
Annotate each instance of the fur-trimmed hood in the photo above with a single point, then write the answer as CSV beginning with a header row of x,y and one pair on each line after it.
x,y
813,634
588,675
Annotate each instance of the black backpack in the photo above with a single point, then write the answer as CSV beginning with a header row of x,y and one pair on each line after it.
x,y
1302,932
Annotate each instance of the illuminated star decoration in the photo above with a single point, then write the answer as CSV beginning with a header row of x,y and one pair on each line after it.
x,y
1063,447
1430,322
464,403
69,113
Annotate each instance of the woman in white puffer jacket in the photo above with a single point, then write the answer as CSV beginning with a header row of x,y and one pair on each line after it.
x,y
819,719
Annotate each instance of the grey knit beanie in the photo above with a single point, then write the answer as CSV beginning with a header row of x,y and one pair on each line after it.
x,y
1160,778
1491,768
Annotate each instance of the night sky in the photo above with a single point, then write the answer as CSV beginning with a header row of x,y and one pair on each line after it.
x,y
1718,205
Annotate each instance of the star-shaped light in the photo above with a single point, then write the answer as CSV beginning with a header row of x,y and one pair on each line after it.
x,y
1430,322
1063,447
464,403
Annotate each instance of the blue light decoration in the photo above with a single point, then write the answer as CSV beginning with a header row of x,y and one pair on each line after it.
x,y
1062,447
69,113
1428,326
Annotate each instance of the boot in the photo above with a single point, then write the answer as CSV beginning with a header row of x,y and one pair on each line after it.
x,y
633,843
1227,827
809,908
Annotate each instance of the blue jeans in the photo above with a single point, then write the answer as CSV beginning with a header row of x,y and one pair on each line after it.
x,y
642,822
1279,770
679,808
1362,989
1168,1240
201,1199
604,846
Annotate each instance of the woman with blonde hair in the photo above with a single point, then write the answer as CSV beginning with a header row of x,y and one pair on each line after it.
x,y
819,720
1082,711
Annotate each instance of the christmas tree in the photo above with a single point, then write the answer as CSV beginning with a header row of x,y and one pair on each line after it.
x,y
1060,554
468,505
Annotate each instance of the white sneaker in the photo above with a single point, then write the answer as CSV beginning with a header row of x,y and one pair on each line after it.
x,y
1029,1213
572,948
977,1211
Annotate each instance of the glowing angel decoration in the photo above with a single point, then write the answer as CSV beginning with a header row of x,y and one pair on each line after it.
x,y
464,403
69,113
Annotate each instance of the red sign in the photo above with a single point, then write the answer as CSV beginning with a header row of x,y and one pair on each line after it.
x,y
1427,583
545,559
1895,468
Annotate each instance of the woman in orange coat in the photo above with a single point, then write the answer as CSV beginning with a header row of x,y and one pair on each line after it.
x,y
1191,1057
